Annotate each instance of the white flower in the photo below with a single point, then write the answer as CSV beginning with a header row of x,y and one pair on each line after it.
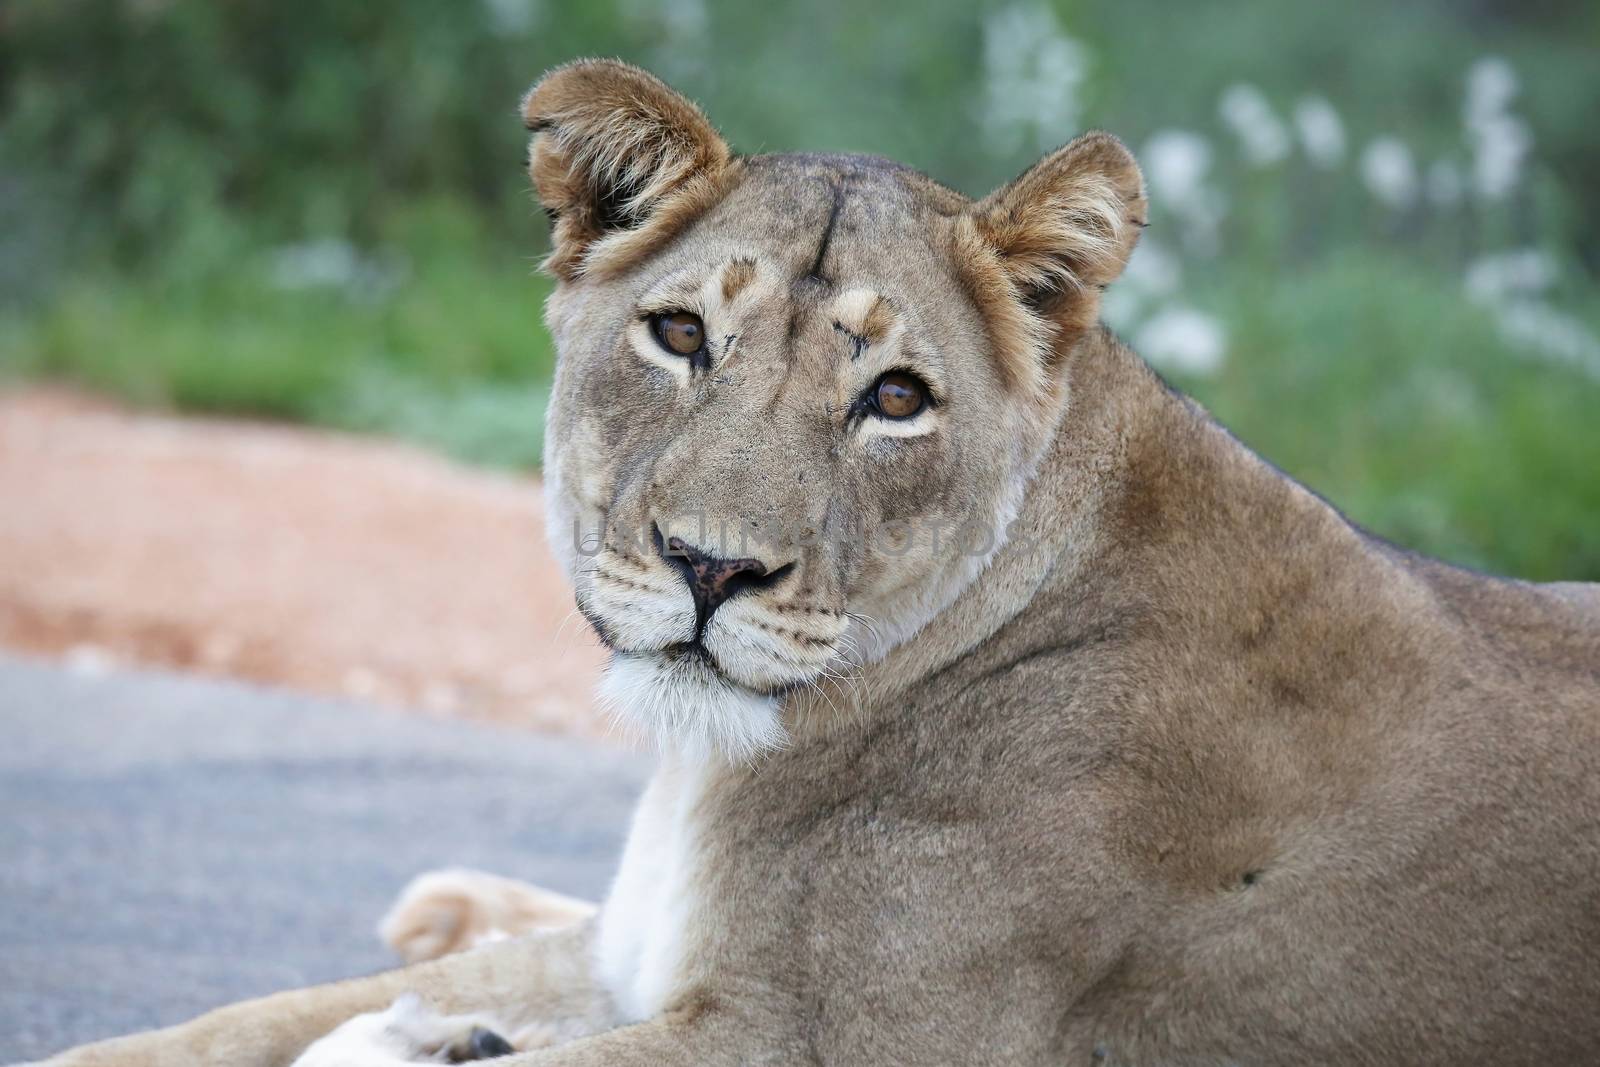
x,y
1491,86
1520,271
1152,270
1501,147
1247,113
333,264
1389,172
1321,131
1032,75
1151,274
1444,183
1119,308
1176,164
1509,284
315,264
512,16
1549,334
1182,339
1500,140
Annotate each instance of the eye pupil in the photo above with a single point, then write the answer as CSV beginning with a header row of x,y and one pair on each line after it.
x,y
899,396
681,332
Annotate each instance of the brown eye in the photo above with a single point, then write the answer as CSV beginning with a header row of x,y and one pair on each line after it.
x,y
899,396
681,333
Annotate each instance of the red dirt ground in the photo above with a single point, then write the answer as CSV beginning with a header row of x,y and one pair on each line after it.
x,y
335,565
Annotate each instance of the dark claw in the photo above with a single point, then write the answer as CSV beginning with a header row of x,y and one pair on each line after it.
x,y
487,1045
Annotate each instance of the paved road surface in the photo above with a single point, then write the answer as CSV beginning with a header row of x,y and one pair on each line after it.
x,y
169,844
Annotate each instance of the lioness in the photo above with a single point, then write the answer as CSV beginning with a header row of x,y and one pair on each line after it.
x,y
1011,711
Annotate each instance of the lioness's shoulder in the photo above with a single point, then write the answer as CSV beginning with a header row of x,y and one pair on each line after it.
x,y
1555,624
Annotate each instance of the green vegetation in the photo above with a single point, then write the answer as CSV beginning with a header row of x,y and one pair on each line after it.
x,y
1375,384
315,211
442,341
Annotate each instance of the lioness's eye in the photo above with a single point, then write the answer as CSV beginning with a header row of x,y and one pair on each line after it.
x,y
681,333
899,396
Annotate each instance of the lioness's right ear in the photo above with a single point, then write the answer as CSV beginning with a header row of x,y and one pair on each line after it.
x,y
619,161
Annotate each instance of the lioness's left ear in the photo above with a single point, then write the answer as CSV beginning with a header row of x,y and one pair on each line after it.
x,y
617,153
1064,230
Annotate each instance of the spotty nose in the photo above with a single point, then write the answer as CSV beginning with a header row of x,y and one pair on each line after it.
x,y
712,580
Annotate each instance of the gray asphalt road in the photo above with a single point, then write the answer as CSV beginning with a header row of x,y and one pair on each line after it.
x,y
169,844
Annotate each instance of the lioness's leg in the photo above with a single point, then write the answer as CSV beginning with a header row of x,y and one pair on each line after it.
x,y
544,978
455,909
693,1037
411,1031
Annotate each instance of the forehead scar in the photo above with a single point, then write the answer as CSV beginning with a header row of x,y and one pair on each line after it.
x,y
858,343
814,272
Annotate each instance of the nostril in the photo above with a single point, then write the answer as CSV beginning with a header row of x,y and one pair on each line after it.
x,y
675,552
677,546
742,574
769,578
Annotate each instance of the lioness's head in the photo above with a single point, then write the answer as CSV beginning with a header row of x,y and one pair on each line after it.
x,y
799,398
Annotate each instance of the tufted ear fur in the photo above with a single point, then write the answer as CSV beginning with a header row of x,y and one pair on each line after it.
x,y
1042,247
620,162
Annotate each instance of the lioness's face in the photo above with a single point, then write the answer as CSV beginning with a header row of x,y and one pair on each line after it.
x,y
783,436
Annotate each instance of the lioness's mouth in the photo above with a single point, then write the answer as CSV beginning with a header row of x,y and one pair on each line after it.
x,y
695,655
691,650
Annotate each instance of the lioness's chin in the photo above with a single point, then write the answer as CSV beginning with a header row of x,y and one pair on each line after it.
x,y
686,704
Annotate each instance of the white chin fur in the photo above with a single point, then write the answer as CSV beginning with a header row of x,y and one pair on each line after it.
x,y
686,706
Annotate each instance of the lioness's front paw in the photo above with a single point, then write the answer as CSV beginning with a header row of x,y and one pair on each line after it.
x,y
410,1031
451,910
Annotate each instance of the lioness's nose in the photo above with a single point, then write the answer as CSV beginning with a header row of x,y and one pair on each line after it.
x,y
712,581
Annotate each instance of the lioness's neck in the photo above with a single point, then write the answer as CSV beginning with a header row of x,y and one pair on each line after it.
x,y
1059,529
1132,463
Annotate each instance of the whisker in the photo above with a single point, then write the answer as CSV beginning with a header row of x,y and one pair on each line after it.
x,y
563,627
821,693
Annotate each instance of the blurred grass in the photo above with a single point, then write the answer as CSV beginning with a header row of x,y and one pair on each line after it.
x,y
446,346
315,212
1374,382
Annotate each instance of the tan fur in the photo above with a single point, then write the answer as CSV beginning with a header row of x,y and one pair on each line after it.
x,y
735,276
1186,769
864,314
1051,239
615,138
453,910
